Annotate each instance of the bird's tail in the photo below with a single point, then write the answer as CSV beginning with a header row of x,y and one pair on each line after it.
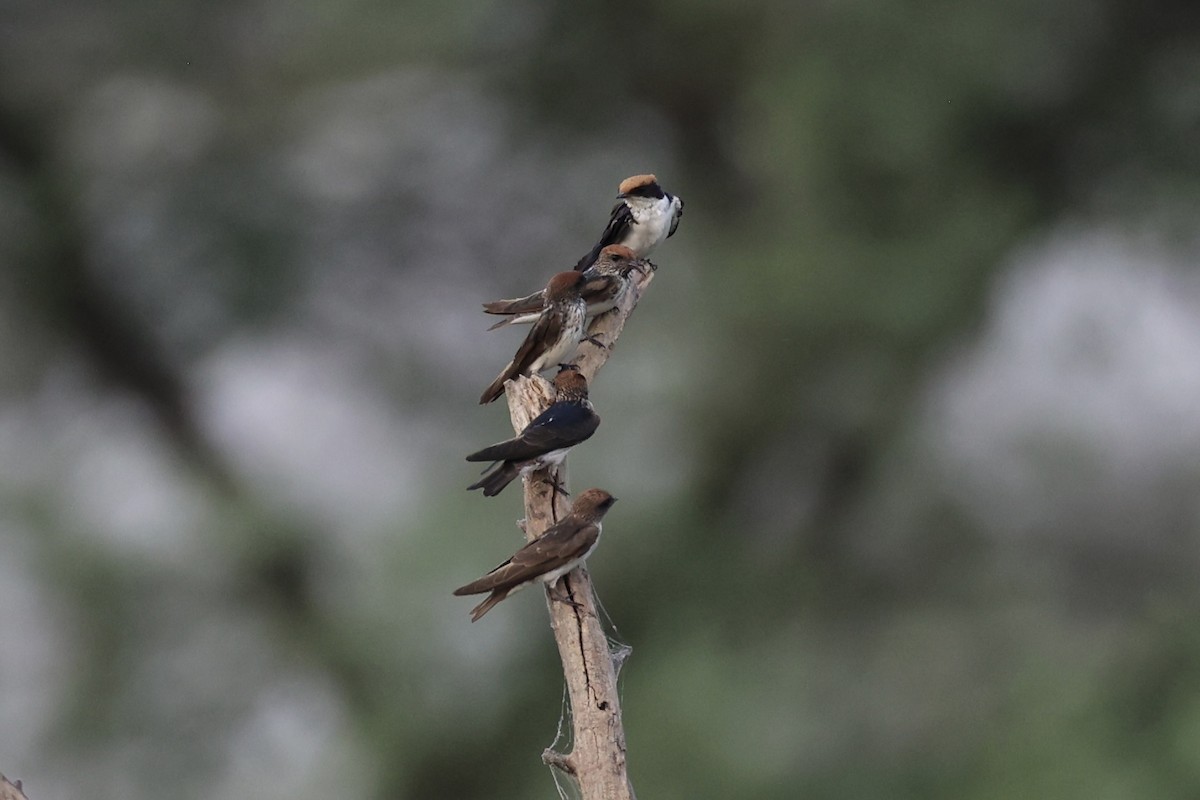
x,y
522,305
473,588
487,605
494,482
493,392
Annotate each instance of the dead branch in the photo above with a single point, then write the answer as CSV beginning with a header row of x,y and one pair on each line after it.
x,y
597,759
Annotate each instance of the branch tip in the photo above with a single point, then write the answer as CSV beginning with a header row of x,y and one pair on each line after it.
x,y
560,761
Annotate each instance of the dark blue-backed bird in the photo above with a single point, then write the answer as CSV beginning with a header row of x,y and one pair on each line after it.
x,y
545,441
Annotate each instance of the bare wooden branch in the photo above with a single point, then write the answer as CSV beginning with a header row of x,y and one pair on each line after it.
x,y
597,757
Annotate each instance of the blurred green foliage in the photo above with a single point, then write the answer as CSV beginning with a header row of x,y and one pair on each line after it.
x,y
243,246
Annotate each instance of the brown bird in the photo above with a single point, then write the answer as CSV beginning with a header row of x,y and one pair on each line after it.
x,y
607,282
553,554
555,336
546,440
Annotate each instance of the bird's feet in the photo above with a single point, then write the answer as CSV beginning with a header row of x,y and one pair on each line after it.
x,y
563,597
556,488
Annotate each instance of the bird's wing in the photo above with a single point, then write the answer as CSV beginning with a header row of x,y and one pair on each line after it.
x,y
545,332
619,222
600,288
676,218
565,542
561,425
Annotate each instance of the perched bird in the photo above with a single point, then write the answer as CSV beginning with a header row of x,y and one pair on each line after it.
x,y
553,554
553,338
644,217
607,281
546,440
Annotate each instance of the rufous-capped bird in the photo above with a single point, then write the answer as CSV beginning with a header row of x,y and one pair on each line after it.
x,y
644,217
553,338
607,281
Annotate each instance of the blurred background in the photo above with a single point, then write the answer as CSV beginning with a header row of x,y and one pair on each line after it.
x,y
906,432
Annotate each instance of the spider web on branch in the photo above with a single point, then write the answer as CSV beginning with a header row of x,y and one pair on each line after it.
x,y
618,650
563,738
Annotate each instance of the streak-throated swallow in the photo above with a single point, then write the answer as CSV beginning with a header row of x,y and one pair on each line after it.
x,y
643,218
607,281
554,336
556,552
546,440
